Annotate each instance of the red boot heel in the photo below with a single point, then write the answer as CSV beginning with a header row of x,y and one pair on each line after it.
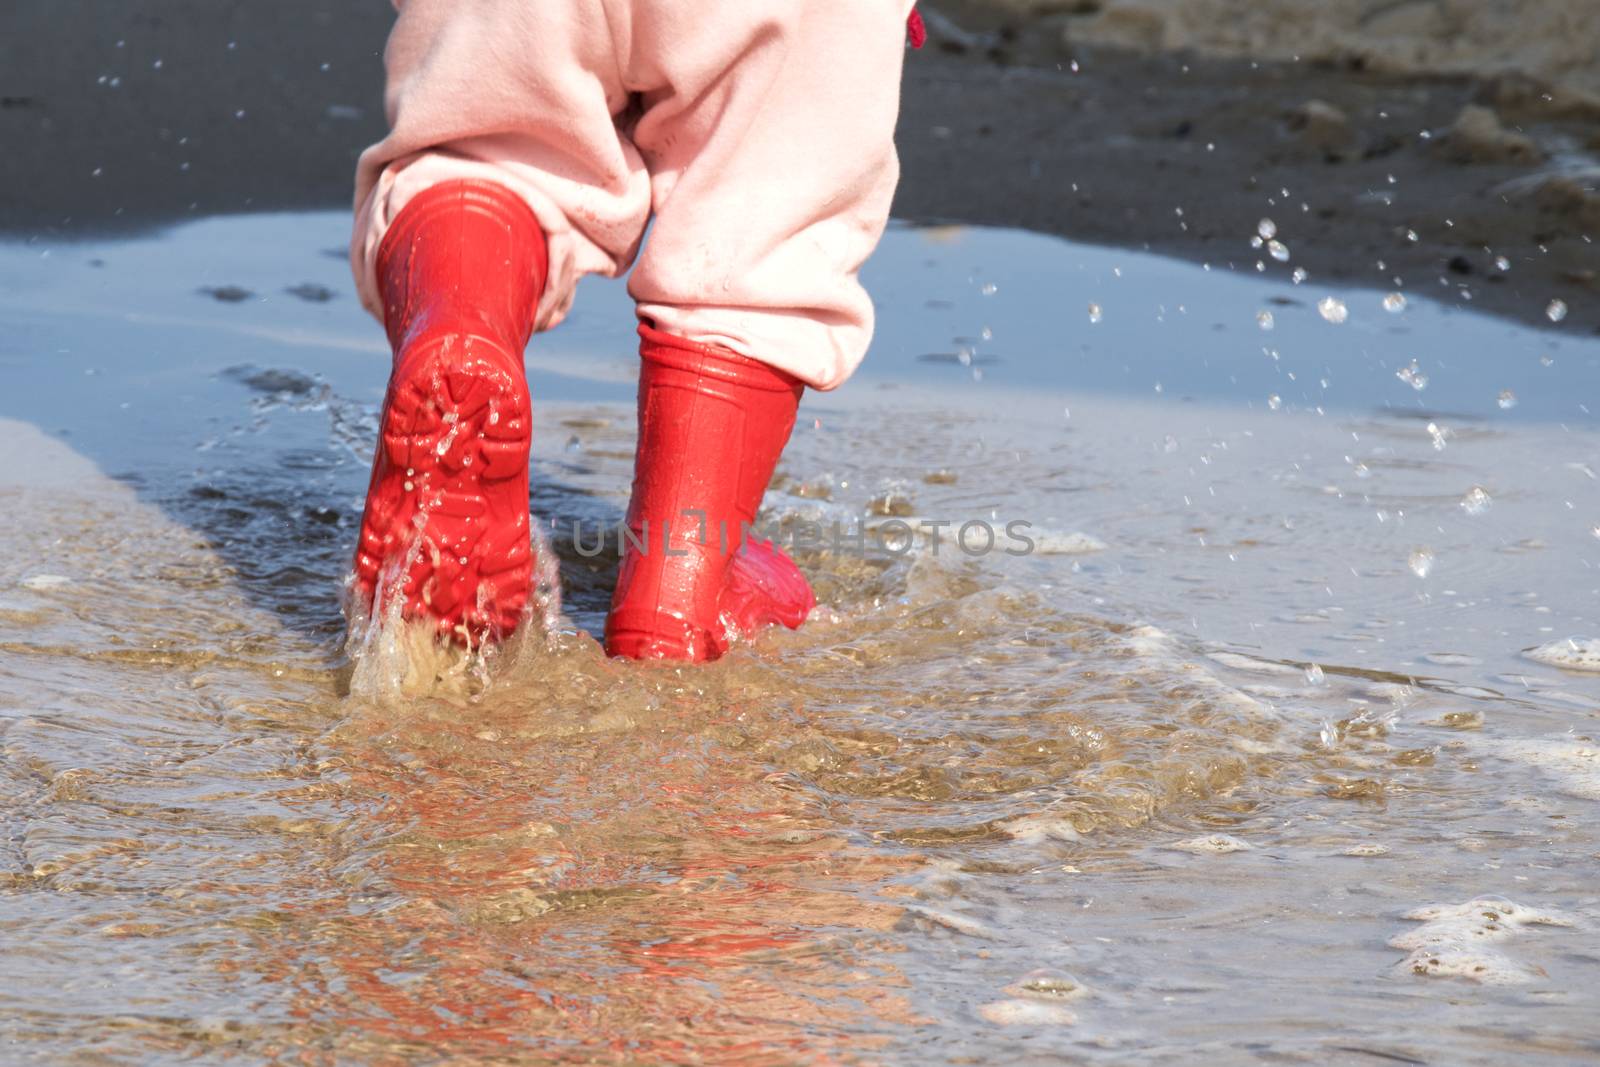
x,y
446,526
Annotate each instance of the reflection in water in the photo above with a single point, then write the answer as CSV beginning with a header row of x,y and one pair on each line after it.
x,y
593,866
582,859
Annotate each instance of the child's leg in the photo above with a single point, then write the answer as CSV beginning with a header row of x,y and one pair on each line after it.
x,y
504,179
768,129
772,165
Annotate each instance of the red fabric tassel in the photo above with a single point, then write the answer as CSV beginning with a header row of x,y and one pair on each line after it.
x,y
916,32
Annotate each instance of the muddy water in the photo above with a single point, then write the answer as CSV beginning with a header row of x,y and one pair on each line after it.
x,y
1246,761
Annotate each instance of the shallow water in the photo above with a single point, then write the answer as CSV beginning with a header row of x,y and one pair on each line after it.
x,y
1245,762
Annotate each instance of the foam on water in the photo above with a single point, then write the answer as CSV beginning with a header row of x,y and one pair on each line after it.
x,y
1048,986
1019,1012
1210,845
1469,941
1570,653
1051,543
38,582
1572,762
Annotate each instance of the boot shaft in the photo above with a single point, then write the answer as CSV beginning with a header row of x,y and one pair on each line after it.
x,y
712,425
462,257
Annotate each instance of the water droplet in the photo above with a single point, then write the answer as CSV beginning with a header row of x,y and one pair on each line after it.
x,y
156,65
1267,229
1264,320
989,289
1477,500
1095,314
1421,562
410,486
1333,309
1299,275
1412,375
239,114
1361,470
1170,445
1274,402
1556,311
1411,235
1256,242
1314,675
1394,303
1279,251
1438,434
1502,263
574,444
1507,400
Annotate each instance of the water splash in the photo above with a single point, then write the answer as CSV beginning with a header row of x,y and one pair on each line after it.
x,y
1412,375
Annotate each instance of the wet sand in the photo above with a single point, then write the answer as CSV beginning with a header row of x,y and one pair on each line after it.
x,y
1551,38
1005,123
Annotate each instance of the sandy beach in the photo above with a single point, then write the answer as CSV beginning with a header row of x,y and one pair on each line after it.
x,y
1550,39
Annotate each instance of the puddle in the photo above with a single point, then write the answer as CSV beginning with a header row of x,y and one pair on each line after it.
x,y
1217,738
1017,309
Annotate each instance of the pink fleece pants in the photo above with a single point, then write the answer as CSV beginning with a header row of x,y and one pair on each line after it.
x,y
756,135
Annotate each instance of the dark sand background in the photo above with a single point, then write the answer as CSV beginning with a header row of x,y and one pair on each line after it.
x,y
121,117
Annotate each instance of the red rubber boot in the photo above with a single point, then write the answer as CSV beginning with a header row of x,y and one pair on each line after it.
x,y
445,530
711,427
